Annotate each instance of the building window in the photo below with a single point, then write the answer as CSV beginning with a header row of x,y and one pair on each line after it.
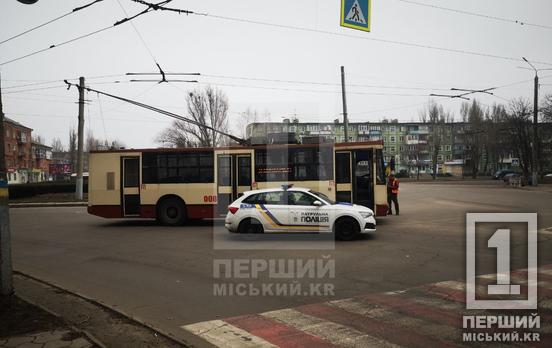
x,y
393,139
393,129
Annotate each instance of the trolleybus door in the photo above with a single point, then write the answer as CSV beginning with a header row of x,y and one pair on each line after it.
x,y
363,170
234,178
243,174
343,180
130,186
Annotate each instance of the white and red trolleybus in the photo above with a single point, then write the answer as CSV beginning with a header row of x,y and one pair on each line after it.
x,y
174,185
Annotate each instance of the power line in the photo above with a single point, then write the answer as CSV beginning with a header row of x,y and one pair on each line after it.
x,y
319,83
339,34
58,45
49,22
138,33
311,90
124,20
496,18
32,89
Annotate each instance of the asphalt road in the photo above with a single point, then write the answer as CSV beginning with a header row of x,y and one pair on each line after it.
x,y
164,276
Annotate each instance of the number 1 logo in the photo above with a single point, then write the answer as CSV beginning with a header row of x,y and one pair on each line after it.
x,y
500,240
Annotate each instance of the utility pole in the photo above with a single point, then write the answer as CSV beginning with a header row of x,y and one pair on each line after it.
x,y
343,94
80,150
535,174
6,273
534,148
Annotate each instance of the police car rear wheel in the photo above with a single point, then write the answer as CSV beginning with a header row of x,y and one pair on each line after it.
x,y
250,226
346,229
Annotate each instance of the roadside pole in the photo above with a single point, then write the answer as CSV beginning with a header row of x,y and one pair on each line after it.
x,y
80,148
6,272
535,174
345,119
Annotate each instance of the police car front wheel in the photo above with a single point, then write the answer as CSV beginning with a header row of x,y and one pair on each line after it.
x,y
346,228
251,226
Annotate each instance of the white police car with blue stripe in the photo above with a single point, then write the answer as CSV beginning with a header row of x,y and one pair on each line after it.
x,y
290,209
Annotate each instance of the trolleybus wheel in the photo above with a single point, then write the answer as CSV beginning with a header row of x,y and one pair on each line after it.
x,y
171,212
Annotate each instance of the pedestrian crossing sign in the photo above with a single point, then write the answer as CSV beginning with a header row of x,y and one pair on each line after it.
x,y
355,14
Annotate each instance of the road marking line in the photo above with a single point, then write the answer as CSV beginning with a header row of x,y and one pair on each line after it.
x,y
224,335
335,333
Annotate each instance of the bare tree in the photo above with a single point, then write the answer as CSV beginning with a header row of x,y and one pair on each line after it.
x,y
547,108
474,115
207,107
245,118
91,143
73,147
519,132
39,139
437,119
57,145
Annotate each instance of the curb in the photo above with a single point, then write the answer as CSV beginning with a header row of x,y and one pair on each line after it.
x,y
87,334
107,307
41,205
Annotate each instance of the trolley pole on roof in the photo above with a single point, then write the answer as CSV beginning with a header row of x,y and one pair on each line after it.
x,y
80,147
6,273
343,94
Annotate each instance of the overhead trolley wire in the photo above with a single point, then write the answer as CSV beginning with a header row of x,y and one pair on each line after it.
x,y
475,14
124,20
338,34
49,22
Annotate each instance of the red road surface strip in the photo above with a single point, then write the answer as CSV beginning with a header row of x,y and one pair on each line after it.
x,y
386,331
403,305
445,293
277,333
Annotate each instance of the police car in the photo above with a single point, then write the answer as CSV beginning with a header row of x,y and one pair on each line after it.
x,y
289,209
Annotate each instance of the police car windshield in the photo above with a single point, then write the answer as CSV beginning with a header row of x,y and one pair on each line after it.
x,y
323,196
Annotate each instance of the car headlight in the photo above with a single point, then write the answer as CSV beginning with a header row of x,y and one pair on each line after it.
x,y
366,214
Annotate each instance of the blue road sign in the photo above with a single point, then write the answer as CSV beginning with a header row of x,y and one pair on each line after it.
x,y
355,14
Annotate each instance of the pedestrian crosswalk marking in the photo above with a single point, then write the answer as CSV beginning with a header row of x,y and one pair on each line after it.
x,y
334,333
425,315
222,334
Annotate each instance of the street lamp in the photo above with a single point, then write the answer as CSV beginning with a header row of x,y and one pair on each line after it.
x,y
27,2
534,174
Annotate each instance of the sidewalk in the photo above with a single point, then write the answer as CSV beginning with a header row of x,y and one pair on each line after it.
x,y
43,315
48,204
25,325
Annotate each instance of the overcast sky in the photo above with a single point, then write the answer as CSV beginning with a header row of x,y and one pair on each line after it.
x,y
395,80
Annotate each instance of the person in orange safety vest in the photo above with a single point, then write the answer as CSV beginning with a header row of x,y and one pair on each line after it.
x,y
392,193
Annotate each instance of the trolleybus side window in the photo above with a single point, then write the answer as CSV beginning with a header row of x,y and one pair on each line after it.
x,y
185,167
295,164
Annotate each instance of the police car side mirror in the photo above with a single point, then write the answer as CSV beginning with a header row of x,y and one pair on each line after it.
x,y
317,203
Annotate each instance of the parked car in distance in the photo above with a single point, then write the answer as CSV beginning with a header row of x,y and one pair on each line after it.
x,y
501,173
